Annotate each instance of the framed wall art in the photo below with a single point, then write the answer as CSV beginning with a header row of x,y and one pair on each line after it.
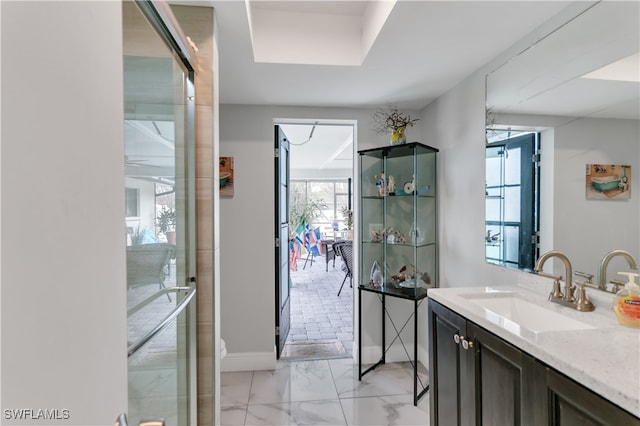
x,y
226,177
608,182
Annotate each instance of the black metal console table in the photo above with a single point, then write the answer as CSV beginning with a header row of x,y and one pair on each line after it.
x,y
416,295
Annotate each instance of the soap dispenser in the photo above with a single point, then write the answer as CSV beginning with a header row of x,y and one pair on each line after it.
x,y
627,302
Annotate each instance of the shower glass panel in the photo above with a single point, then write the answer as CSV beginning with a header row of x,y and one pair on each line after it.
x,y
158,152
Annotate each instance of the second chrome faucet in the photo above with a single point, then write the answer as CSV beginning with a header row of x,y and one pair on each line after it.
x,y
567,298
602,270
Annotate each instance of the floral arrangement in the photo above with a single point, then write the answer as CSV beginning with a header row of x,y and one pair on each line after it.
x,y
391,120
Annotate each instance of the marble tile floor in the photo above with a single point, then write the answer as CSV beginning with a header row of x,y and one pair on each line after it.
x,y
318,314
322,392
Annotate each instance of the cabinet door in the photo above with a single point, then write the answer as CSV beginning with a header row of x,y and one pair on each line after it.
x,y
504,377
451,394
569,403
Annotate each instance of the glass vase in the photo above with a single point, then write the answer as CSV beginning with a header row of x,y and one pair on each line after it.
x,y
398,136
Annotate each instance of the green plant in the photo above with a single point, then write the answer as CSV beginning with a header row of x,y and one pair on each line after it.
x,y
303,210
166,219
348,216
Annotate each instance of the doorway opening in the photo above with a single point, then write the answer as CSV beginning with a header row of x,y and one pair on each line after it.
x,y
320,215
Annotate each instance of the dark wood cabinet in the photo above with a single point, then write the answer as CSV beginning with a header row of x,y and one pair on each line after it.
x,y
478,378
568,403
503,381
450,376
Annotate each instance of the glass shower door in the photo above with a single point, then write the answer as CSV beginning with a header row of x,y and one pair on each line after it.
x,y
158,106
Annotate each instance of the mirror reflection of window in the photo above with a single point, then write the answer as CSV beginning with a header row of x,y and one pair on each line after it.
x,y
512,201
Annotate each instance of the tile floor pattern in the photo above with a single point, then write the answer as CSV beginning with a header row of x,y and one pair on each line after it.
x,y
322,392
309,391
317,313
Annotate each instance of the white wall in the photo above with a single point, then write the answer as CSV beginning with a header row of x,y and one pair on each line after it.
x,y
455,125
587,229
63,293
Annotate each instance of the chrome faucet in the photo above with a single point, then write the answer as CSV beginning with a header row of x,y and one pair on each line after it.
x,y
602,271
566,299
568,288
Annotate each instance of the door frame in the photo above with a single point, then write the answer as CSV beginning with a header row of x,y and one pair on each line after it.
x,y
356,211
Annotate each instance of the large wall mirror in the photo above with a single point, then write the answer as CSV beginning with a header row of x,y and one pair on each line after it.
x,y
574,94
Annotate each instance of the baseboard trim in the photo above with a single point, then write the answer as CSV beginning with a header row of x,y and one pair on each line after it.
x,y
248,361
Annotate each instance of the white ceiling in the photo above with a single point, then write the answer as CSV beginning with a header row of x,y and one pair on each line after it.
x,y
423,49
330,148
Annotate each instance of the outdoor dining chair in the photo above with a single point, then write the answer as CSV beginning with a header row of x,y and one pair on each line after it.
x,y
149,264
344,249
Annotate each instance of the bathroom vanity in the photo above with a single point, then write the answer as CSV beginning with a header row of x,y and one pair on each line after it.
x,y
506,356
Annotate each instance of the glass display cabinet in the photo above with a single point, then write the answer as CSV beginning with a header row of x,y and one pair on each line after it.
x,y
398,206
398,246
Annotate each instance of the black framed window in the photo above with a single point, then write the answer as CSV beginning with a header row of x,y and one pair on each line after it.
x,y
512,199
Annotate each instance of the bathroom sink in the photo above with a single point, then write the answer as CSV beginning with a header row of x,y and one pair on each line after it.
x,y
517,315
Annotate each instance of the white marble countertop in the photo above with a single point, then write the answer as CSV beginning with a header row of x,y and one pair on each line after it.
x,y
604,359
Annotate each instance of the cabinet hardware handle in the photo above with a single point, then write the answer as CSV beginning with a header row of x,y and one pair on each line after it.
x,y
457,338
466,344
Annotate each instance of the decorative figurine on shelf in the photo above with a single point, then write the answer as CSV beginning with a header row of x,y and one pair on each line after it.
x,y
389,235
425,277
381,183
416,234
399,237
376,275
409,187
377,236
391,238
392,185
405,279
400,276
